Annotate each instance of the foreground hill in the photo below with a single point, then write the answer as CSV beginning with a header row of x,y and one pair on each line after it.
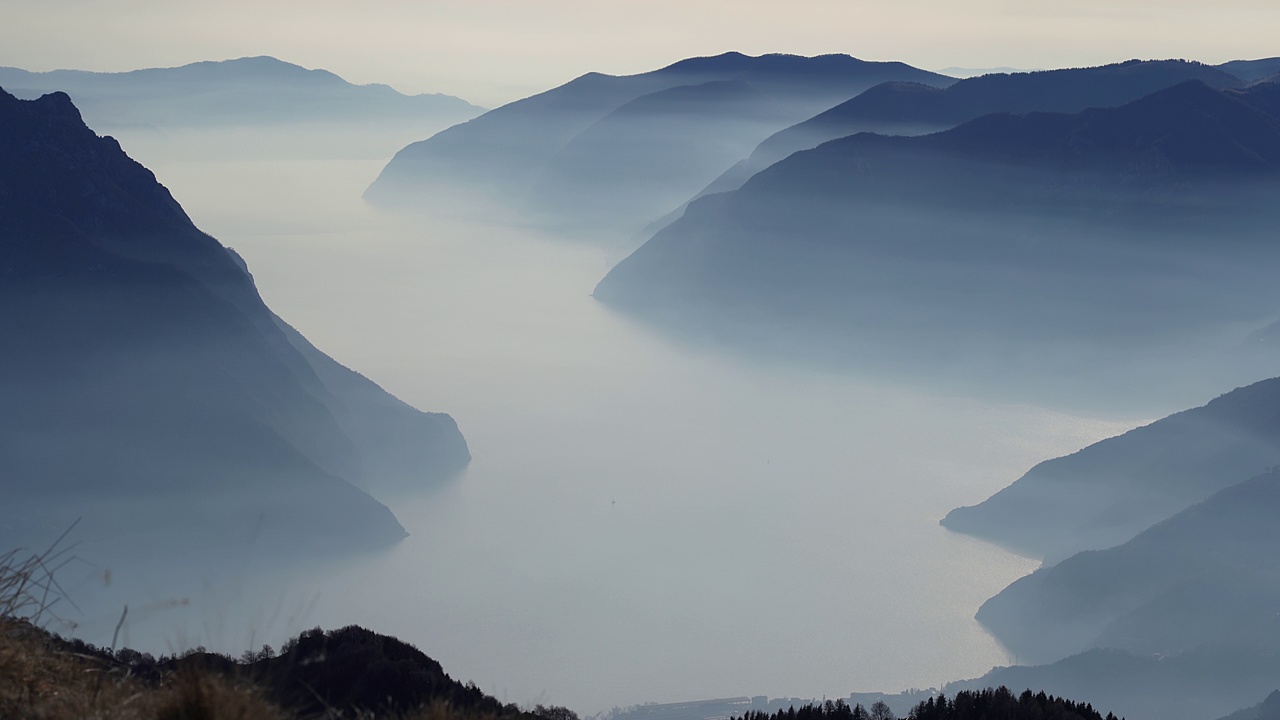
x,y
251,90
149,390
662,134
1112,490
908,108
350,672
1038,244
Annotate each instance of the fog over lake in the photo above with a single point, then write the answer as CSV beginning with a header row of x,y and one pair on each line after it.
x,y
642,520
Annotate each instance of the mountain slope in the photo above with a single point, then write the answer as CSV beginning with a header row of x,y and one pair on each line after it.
x,y
508,153
1205,575
259,90
142,370
652,152
1252,70
1047,242
906,108
1192,685
1268,709
1110,491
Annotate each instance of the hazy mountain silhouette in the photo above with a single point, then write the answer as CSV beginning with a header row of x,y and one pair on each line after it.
x,y
682,124
909,108
1252,70
1098,232
142,372
1205,575
1192,685
652,152
1268,709
1110,491
246,90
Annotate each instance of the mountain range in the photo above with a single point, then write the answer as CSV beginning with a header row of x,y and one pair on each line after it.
x,y
1203,576
250,90
1159,547
912,108
662,135
145,378
1042,241
1107,493
1201,683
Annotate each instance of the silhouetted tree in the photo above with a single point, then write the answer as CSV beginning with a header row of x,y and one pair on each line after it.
x,y
881,711
554,712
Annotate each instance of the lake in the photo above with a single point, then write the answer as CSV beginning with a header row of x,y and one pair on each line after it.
x,y
643,520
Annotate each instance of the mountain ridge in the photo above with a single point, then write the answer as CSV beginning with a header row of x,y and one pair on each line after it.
x,y
982,238
258,89
503,158
1148,474
909,108
144,363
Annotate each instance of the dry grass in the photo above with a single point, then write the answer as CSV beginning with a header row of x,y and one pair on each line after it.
x,y
28,584
43,677
39,680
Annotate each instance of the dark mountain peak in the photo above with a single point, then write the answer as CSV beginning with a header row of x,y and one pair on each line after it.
x,y
729,61
139,358
61,167
52,105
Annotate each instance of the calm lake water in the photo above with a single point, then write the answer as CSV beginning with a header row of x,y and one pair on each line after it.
x,y
642,521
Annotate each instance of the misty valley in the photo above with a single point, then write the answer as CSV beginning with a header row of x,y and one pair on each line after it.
x,y
712,391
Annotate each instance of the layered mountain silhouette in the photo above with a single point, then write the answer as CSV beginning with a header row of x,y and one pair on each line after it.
x,y
911,108
1099,231
257,90
1252,70
148,388
1112,490
1206,575
621,150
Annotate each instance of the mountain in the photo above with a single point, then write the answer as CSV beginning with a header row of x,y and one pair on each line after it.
x,y
1264,96
147,387
1268,709
251,90
662,134
1205,575
1201,683
1042,242
1112,490
1252,70
909,108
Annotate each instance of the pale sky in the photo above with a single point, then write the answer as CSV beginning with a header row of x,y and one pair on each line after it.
x,y
494,51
